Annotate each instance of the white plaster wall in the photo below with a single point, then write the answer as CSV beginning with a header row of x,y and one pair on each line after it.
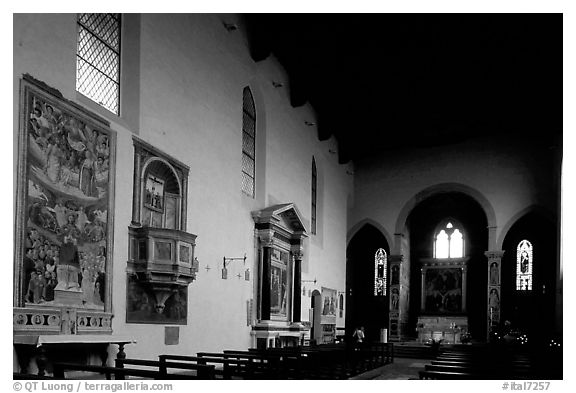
x,y
505,171
192,72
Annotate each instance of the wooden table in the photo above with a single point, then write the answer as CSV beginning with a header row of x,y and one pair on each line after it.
x,y
37,345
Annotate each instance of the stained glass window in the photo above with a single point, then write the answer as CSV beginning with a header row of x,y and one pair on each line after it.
x,y
248,142
524,266
380,262
449,242
314,196
98,59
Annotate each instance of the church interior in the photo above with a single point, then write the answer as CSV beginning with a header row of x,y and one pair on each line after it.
x,y
287,196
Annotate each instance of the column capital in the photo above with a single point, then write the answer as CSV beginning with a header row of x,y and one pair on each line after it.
x,y
494,254
396,258
266,237
297,251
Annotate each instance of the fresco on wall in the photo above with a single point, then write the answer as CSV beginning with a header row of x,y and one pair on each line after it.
x,y
65,220
141,305
443,291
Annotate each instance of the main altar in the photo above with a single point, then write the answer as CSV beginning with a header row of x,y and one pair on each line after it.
x,y
443,314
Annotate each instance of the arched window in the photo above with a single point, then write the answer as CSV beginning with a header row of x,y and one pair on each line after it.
x,y
380,262
248,143
448,241
524,266
314,197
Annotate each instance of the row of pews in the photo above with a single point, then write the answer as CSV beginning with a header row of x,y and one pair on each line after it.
x,y
328,361
487,362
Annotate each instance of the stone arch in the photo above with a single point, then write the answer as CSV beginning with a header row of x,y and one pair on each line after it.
x,y
446,188
368,221
530,209
168,166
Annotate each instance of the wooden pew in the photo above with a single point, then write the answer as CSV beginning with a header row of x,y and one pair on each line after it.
x,y
109,373
225,368
192,371
450,375
485,371
24,376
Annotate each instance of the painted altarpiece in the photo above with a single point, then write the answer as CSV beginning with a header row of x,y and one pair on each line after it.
x,y
64,228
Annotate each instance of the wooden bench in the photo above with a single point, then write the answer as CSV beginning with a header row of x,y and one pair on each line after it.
x,y
493,372
447,375
185,370
109,373
225,368
25,376
118,373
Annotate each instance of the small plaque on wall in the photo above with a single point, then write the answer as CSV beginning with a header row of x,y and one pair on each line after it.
x,y
171,335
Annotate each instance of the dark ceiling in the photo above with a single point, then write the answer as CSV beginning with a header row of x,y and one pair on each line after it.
x,y
384,81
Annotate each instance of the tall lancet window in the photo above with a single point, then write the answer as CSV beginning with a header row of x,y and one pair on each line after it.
x,y
448,242
314,196
248,143
380,262
524,266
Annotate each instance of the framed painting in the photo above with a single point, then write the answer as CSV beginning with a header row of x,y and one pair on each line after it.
x,y
329,297
154,193
64,200
141,304
443,290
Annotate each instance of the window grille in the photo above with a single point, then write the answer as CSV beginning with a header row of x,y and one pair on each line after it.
x,y
314,196
380,267
98,59
524,260
248,143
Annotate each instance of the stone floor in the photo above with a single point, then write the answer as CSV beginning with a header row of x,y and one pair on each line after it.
x,y
401,369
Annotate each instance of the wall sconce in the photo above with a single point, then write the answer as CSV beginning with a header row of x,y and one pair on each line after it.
x,y
230,26
314,281
277,84
227,261
309,123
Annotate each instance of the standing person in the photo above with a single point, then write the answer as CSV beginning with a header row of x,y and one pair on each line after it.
x,y
359,336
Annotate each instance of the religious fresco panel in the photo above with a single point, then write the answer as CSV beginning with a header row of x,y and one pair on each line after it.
x,y
64,202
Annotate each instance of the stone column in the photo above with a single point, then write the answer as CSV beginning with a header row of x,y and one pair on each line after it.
x,y
184,202
423,289
136,197
266,241
494,292
298,253
464,278
399,296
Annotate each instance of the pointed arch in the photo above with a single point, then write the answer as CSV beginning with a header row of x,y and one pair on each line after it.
x,y
368,221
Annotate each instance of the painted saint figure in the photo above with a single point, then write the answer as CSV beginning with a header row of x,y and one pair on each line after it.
x,y
494,300
69,265
494,274
87,175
